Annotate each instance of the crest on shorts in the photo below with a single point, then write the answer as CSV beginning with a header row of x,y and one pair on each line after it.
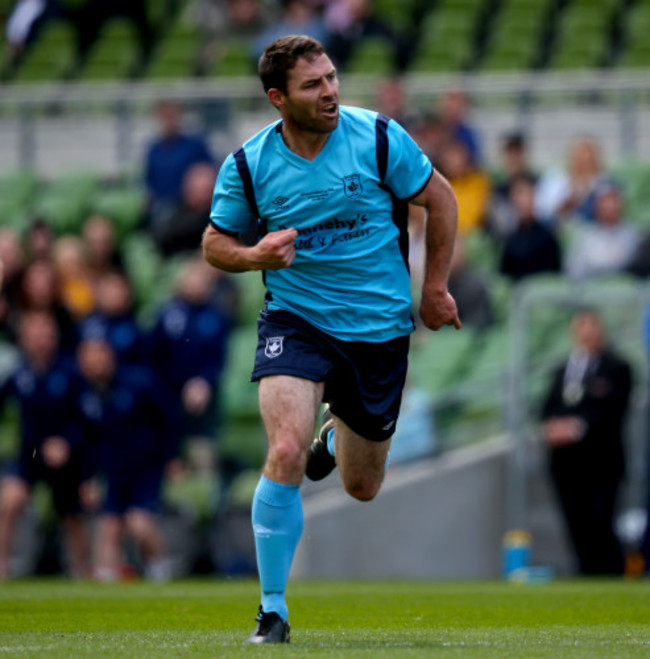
x,y
352,186
273,346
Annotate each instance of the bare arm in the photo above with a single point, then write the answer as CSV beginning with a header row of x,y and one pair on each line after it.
x,y
273,252
437,306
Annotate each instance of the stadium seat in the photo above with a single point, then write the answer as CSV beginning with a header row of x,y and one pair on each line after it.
x,y
636,49
233,58
116,54
439,361
583,37
143,265
17,192
65,201
447,41
372,55
122,205
52,56
177,55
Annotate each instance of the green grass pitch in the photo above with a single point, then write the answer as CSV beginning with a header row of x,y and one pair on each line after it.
x,y
211,618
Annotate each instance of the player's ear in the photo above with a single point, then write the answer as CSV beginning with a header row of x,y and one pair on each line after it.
x,y
276,97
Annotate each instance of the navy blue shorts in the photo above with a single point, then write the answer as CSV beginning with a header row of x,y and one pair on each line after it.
x,y
63,483
133,489
363,381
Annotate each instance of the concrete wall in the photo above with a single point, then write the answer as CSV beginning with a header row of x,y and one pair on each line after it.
x,y
440,518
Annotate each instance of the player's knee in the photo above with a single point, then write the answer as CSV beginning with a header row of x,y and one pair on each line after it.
x,y
287,455
362,490
139,523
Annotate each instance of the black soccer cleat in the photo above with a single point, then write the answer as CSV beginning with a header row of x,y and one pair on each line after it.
x,y
319,461
271,628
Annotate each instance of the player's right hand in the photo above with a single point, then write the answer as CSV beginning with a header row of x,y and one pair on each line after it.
x,y
275,251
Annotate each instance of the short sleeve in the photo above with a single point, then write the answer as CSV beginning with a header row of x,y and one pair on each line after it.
x,y
408,170
230,212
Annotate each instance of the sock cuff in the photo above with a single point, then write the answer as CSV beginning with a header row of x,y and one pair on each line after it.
x,y
279,495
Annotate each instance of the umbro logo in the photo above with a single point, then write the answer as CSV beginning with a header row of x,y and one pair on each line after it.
x,y
389,425
280,201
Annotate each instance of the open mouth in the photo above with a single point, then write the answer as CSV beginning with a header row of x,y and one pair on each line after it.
x,y
330,110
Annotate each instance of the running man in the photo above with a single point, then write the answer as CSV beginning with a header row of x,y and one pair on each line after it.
x,y
328,186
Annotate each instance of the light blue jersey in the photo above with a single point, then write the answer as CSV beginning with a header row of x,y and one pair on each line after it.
x,y
350,275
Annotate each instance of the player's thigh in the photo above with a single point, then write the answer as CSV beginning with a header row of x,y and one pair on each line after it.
x,y
14,494
359,458
289,406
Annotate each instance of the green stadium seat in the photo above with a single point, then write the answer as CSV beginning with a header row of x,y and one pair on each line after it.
x,y
177,54
447,41
52,56
239,397
143,265
371,55
636,49
122,205
65,202
234,58
17,191
116,54
439,361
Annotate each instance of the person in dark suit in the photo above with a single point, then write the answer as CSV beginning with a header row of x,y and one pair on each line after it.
x,y
583,417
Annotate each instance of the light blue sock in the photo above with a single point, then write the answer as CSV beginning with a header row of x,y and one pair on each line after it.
x,y
277,526
330,442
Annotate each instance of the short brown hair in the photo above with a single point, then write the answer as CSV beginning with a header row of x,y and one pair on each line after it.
x,y
281,56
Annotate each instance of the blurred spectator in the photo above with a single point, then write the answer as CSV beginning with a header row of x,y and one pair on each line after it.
x,y
189,343
428,132
169,158
606,246
391,100
571,191
454,116
349,21
102,254
296,17
114,320
583,417
25,19
39,291
131,424
71,267
470,183
514,166
469,290
11,271
531,247
50,442
182,230
40,240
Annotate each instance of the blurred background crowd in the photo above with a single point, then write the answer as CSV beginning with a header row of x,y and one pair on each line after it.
x,y
130,436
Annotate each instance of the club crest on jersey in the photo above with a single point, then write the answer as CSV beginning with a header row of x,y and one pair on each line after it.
x,y
273,346
352,186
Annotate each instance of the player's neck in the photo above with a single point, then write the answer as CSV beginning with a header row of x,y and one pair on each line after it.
x,y
306,144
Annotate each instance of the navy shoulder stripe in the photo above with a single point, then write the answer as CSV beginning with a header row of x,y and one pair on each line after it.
x,y
245,174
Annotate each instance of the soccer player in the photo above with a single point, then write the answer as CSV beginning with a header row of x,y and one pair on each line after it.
x,y
329,185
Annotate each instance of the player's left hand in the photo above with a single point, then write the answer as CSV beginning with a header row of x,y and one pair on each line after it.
x,y
438,309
